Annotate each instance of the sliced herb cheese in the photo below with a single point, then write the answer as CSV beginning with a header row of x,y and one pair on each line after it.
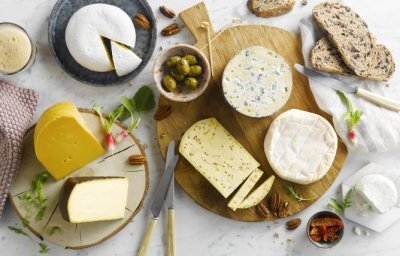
x,y
257,82
217,155
300,146
245,189
258,194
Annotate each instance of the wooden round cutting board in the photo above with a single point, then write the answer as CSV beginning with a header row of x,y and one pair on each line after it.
x,y
250,132
78,236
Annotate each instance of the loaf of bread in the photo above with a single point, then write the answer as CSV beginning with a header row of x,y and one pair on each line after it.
x,y
270,8
325,57
350,34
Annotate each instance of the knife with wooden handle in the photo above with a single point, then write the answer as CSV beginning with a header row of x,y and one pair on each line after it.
x,y
171,219
340,86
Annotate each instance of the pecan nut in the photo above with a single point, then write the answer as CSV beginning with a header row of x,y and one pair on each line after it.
x,y
171,30
137,160
142,21
275,203
262,211
283,209
293,224
163,111
167,12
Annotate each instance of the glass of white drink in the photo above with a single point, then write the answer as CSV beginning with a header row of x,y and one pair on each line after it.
x,y
17,51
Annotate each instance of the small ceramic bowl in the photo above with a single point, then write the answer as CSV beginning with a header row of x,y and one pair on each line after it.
x,y
322,244
161,69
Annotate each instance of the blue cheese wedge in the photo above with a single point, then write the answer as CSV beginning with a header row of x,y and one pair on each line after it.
x,y
217,155
125,60
300,146
87,28
258,194
257,82
245,189
378,190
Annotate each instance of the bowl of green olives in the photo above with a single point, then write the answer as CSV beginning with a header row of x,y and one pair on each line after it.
x,y
182,73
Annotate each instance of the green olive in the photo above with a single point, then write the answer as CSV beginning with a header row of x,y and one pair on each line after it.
x,y
172,61
195,70
169,82
191,82
183,67
191,59
178,76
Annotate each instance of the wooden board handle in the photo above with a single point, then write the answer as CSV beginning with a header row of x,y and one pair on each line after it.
x,y
379,100
193,18
171,232
147,238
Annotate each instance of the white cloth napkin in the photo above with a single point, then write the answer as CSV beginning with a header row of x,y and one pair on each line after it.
x,y
379,128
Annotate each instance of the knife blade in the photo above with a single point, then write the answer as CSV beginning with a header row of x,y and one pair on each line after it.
x,y
338,85
326,80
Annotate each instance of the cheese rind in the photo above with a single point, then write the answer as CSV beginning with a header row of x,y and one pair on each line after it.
x,y
258,194
62,142
257,82
88,199
379,191
244,190
86,28
125,60
217,155
300,146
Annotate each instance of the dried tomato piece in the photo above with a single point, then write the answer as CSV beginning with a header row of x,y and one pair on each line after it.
x,y
315,238
327,222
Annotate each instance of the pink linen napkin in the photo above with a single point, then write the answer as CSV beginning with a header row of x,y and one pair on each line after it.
x,y
17,106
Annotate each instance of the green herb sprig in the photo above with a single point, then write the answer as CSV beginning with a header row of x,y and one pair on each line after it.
x,y
43,248
295,194
340,207
53,230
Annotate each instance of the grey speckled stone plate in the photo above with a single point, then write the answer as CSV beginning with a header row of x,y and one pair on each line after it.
x,y
144,48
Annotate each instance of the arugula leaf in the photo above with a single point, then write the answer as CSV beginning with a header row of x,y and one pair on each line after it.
x,y
352,116
135,118
340,207
19,231
54,229
43,248
295,194
144,99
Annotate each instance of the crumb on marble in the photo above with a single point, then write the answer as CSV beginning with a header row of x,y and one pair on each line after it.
x,y
276,235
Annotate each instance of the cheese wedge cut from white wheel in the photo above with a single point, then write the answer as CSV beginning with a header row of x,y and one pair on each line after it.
x,y
300,146
378,190
89,25
217,155
124,59
258,194
245,189
257,82
88,199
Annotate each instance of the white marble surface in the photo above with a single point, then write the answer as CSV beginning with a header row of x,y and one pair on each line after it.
x,y
199,232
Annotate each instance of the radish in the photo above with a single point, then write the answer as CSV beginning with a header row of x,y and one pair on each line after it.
x,y
129,105
352,117
107,123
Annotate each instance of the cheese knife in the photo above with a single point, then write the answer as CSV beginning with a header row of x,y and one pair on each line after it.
x,y
169,200
338,85
159,197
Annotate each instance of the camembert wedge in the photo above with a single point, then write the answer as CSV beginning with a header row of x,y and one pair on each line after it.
x,y
217,155
245,189
258,194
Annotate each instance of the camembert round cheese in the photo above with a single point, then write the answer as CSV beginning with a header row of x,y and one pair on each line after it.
x,y
300,146
257,82
87,29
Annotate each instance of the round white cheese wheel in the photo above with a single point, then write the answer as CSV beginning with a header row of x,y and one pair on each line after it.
x,y
89,25
378,190
257,82
300,146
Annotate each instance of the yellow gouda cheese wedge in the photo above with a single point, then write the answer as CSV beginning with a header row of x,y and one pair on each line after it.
x,y
62,142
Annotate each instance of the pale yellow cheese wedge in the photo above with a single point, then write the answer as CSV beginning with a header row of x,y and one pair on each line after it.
x,y
245,189
62,142
258,194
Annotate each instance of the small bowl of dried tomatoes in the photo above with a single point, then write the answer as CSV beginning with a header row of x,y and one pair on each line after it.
x,y
325,229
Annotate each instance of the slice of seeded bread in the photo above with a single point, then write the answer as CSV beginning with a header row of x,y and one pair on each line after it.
x,y
350,34
325,57
270,8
